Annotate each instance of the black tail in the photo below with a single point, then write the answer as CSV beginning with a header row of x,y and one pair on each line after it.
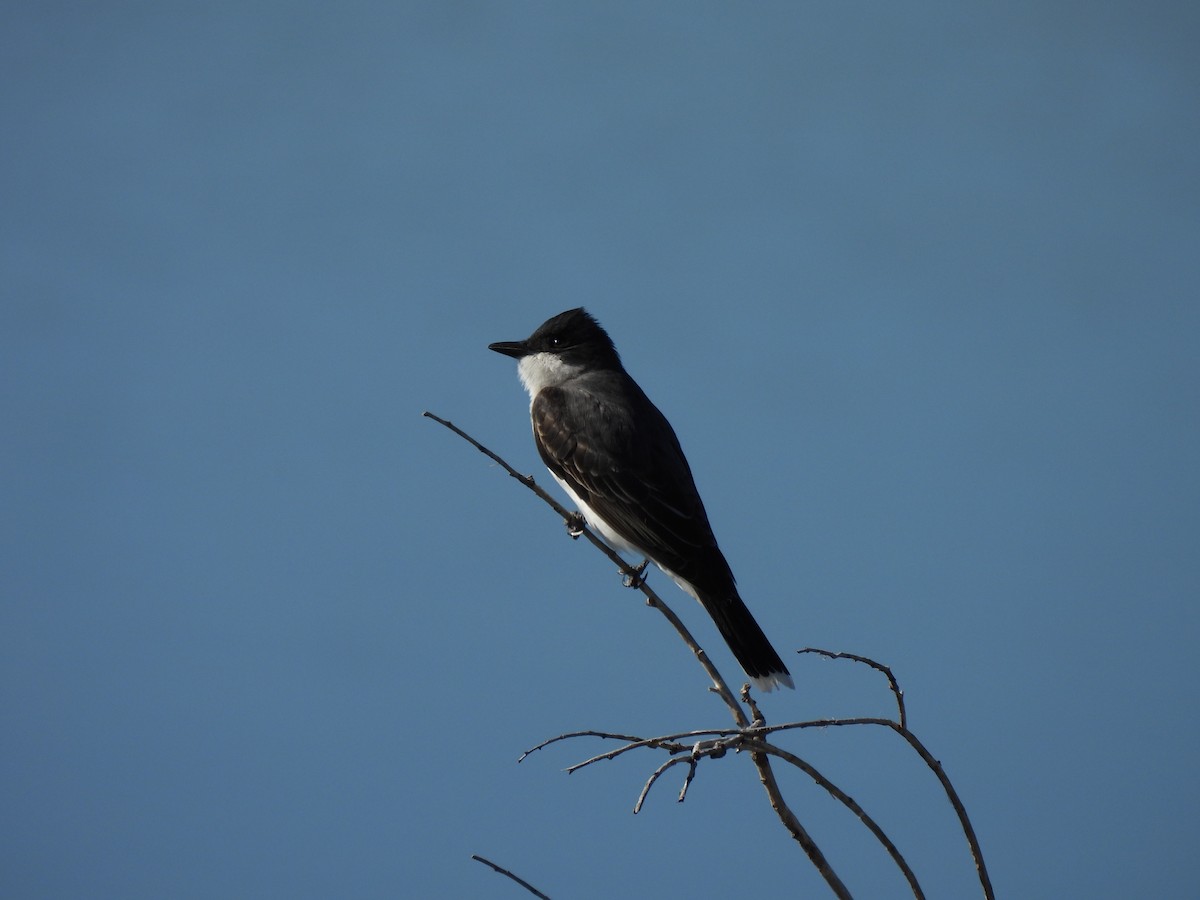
x,y
749,645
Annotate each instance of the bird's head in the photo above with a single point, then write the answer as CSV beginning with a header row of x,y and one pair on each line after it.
x,y
561,348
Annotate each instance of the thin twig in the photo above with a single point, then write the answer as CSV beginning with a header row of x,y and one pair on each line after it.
x,y
608,735
853,806
673,761
653,743
526,480
964,820
521,881
668,742
799,833
878,666
687,779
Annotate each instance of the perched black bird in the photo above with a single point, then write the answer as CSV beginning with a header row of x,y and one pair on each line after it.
x,y
618,458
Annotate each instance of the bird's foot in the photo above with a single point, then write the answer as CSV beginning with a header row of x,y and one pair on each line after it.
x,y
636,580
575,525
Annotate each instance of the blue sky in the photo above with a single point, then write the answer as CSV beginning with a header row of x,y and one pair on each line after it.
x,y
915,284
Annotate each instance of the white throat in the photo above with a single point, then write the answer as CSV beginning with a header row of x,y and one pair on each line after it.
x,y
543,370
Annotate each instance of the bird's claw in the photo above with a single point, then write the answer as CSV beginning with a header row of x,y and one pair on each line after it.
x,y
636,580
575,525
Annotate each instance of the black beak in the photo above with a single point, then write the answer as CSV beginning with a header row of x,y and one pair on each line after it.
x,y
515,349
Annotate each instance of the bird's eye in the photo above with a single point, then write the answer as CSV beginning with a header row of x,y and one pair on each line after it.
x,y
555,342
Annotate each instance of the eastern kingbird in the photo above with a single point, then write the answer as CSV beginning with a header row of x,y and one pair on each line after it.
x,y
618,458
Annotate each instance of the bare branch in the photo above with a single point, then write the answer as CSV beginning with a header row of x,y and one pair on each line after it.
x,y
691,773
653,743
964,820
608,735
749,701
850,804
767,776
789,819
673,761
521,881
670,742
700,750
878,666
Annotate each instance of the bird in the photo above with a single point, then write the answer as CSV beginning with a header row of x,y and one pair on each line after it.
x,y
619,460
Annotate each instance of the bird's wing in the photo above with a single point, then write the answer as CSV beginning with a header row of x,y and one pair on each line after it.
x,y
628,468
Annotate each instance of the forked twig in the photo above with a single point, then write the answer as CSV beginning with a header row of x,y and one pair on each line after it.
x,y
673,761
